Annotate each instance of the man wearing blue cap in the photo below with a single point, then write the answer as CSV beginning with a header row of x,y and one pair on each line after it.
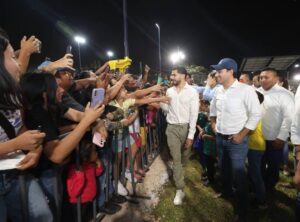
x,y
234,112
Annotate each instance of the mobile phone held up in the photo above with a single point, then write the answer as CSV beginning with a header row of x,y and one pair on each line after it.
x,y
98,140
97,96
69,49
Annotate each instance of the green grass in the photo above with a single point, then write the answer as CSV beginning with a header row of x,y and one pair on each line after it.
x,y
201,205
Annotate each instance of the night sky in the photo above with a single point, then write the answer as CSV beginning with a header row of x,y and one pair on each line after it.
x,y
205,30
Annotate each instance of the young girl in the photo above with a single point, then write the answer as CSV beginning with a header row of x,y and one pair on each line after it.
x,y
82,182
122,101
257,147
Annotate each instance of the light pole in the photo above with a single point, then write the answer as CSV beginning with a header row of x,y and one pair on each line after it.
x,y
109,54
159,49
79,40
126,48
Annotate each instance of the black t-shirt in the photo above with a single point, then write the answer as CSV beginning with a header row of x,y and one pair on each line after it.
x,y
35,117
38,116
68,102
82,96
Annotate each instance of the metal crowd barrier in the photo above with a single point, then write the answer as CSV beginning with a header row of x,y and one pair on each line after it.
x,y
147,156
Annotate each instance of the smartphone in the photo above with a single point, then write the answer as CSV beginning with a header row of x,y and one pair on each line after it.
x,y
97,96
39,128
69,49
98,140
40,47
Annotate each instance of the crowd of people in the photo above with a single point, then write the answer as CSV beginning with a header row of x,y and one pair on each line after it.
x,y
57,149
243,129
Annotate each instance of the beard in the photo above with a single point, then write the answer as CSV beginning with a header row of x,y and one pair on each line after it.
x,y
176,82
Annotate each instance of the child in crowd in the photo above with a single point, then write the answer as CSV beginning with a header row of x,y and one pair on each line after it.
x,y
198,145
209,148
257,147
82,182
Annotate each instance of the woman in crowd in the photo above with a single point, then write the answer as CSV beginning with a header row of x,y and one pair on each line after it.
x,y
20,149
42,95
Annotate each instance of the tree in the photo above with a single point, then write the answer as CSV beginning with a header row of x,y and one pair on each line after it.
x,y
198,73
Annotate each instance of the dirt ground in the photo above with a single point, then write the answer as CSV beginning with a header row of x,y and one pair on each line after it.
x,y
148,191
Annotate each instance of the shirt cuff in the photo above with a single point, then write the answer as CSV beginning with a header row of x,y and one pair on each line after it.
x,y
295,140
191,135
283,136
250,126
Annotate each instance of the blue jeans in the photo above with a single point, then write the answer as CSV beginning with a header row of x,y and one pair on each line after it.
x,y
297,207
10,200
285,153
233,171
219,145
254,160
270,165
106,157
51,182
198,147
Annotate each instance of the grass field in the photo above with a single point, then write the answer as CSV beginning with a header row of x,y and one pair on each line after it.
x,y
200,203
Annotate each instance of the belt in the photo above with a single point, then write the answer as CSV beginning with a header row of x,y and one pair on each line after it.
x,y
224,137
10,172
178,124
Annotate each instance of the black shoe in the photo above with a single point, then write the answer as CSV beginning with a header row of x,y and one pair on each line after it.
x,y
259,205
239,218
107,210
205,183
114,206
119,199
204,178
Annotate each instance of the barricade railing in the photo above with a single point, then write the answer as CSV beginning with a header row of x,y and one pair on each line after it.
x,y
147,155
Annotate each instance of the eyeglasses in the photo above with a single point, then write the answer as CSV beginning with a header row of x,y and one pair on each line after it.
x,y
66,73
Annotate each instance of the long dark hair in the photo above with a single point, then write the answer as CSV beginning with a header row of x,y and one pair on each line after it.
x,y
9,89
34,86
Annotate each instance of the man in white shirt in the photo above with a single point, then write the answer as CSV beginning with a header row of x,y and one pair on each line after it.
x,y
295,138
182,113
245,78
234,112
277,113
256,80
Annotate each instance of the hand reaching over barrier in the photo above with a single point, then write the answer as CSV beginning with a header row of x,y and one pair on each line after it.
x,y
66,61
91,114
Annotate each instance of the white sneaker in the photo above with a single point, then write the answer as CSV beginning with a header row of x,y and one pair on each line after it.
x,y
178,198
122,190
128,176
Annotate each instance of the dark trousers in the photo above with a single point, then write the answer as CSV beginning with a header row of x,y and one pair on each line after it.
x,y
210,164
254,170
270,165
86,212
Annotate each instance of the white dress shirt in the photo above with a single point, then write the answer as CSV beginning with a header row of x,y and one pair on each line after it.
x,y
183,107
235,108
295,128
277,113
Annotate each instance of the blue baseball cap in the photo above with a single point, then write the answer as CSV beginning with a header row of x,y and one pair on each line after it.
x,y
226,63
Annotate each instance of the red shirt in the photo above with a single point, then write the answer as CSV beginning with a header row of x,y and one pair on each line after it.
x,y
83,183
